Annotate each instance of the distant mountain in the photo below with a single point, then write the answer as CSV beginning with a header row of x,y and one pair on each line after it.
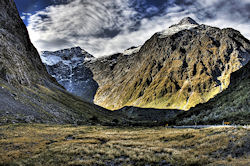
x,y
72,68
68,69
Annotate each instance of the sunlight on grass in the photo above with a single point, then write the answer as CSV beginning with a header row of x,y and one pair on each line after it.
x,y
88,145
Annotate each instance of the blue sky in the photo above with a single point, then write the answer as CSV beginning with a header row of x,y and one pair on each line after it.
x,y
31,6
104,27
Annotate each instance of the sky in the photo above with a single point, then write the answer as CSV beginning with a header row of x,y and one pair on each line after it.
x,y
105,27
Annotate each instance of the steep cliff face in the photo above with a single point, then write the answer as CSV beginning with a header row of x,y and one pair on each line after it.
x,y
19,60
27,92
178,68
68,69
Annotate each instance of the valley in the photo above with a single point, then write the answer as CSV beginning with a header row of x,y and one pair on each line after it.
x,y
155,104
99,145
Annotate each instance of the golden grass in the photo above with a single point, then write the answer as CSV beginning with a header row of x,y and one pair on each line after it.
x,y
90,145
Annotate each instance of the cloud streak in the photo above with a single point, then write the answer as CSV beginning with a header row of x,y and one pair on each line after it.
x,y
106,27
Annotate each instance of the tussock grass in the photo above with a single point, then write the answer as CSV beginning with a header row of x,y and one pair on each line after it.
x,y
97,145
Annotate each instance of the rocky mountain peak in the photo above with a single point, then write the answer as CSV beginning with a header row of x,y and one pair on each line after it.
x,y
185,23
66,56
67,67
187,20
69,53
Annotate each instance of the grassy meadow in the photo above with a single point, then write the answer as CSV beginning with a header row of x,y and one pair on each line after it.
x,y
36,144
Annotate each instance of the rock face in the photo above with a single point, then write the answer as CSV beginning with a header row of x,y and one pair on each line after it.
x,y
112,70
178,68
73,68
19,61
68,69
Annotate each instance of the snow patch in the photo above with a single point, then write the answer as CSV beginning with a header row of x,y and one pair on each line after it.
x,y
51,60
67,56
175,29
132,50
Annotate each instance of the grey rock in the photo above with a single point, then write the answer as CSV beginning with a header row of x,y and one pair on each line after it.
x,y
185,21
19,60
67,67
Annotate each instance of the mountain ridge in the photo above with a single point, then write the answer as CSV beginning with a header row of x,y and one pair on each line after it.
x,y
177,68
155,58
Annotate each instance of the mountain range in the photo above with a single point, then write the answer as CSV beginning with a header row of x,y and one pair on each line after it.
x,y
177,68
181,68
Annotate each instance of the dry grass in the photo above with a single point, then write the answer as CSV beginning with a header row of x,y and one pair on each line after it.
x,y
98,145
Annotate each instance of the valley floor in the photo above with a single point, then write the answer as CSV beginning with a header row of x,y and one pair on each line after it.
x,y
36,144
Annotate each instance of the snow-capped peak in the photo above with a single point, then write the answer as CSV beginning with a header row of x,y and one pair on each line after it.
x,y
66,56
185,23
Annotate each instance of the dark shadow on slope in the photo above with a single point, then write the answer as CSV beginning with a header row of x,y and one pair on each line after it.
x,y
77,80
146,116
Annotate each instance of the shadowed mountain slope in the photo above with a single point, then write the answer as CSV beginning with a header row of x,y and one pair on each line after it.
x,y
20,63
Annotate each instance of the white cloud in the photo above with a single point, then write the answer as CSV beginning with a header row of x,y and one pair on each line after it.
x,y
26,14
104,27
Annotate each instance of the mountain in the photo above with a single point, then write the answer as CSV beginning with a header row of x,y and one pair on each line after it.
x,y
73,68
27,92
68,69
232,105
20,62
180,67
177,68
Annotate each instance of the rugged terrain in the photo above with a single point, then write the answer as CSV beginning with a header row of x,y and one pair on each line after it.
x,y
28,94
232,105
68,69
178,68
20,63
